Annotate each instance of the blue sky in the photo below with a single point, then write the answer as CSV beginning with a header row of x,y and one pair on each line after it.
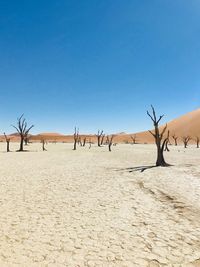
x,y
98,64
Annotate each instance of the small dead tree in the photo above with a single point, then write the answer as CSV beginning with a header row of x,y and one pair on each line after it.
x,y
8,142
23,130
159,138
26,140
175,139
76,137
99,136
167,142
102,139
84,141
80,141
90,143
186,140
133,138
43,145
197,139
110,141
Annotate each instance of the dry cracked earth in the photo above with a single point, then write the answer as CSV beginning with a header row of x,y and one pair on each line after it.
x,y
94,208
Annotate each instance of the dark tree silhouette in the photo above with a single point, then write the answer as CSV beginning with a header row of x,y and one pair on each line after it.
x,y
23,130
8,142
102,139
134,138
197,141
167,142
99,136
186,140
110,141
175,139
90,143
76,137
159,138
84,141
43,145
27,139
80,141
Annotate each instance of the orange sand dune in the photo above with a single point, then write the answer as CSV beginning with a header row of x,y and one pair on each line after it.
x,y
188,124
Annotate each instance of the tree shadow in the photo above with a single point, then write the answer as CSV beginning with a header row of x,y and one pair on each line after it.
x,y
141,168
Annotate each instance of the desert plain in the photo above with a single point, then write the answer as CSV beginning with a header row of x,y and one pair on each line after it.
x,y
92,207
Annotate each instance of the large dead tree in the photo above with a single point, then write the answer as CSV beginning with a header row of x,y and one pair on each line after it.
x,y
159,137
76,137
197,139
110,141
8,142
23,130
186,140
99,136
175,139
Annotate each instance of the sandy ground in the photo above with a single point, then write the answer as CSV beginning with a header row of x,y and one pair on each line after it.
x,y
94,208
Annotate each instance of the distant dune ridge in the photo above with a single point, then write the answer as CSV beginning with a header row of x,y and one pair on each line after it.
x,y
188,124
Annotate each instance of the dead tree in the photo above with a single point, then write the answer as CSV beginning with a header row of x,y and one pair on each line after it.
x,y
197,141
159,138
186,140
167,142
99,136
80,141
90,143
43,145
26,140
23,130
76,137
175,139
110,141
84,141
133,138
102,139
8,142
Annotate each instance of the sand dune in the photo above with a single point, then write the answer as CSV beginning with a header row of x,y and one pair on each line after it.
x,y
188,124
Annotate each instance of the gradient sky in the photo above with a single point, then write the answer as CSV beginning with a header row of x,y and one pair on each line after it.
x,y
97,63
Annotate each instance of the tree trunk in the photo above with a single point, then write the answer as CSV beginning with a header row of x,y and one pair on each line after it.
x,y
8,146
109,146
160,158
75,145
21,144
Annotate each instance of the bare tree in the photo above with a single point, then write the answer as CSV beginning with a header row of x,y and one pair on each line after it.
x,y
84,141
90,143
43,145
76,137
99,136
175,139
197,141
102,139
8,142
23,130
26,139
186,140
159,138
167,142
134,138
110,141
80,141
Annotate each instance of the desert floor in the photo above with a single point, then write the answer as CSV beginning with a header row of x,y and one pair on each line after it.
x,y
94,208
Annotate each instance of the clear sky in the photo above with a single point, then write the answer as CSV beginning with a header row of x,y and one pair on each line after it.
x,y
97,63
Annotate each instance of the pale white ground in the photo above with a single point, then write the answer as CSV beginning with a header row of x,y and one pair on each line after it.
x,y
92,208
